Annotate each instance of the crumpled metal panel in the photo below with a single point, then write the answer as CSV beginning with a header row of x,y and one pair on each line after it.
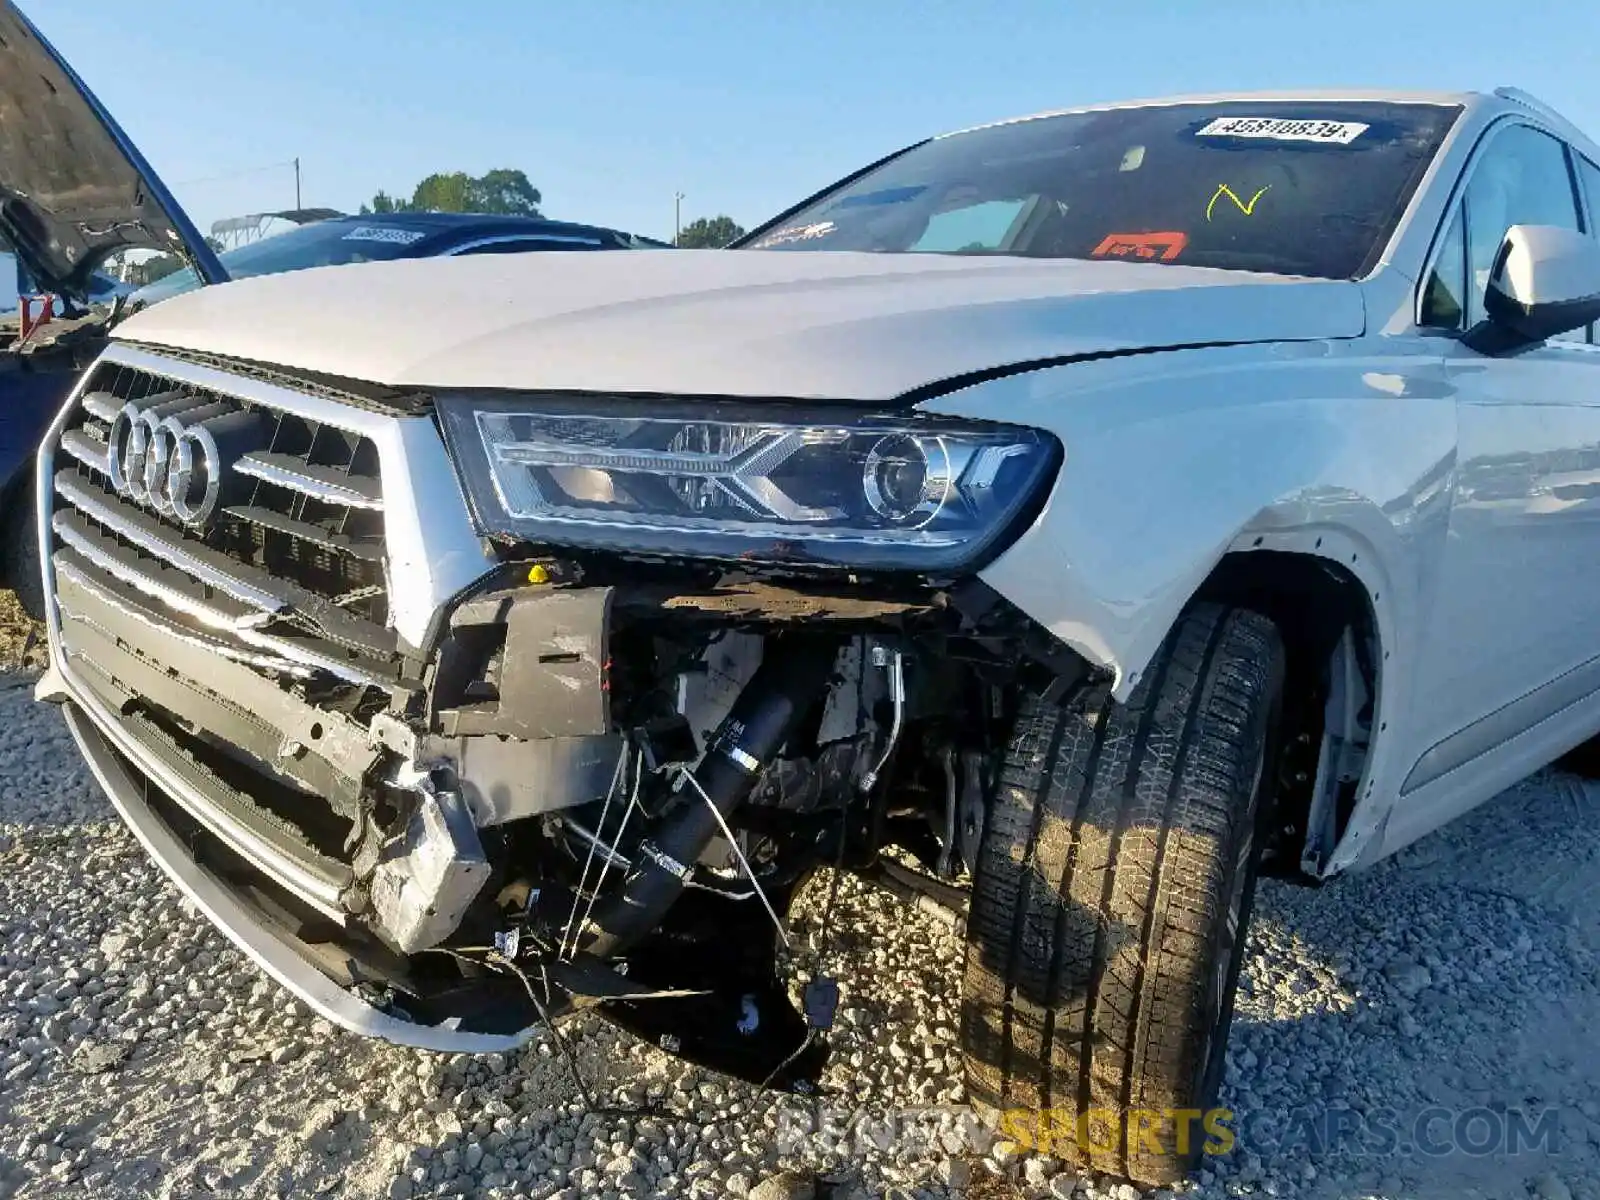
x,y
427,877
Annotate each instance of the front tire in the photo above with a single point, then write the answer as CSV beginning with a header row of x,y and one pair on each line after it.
x,y
1112,895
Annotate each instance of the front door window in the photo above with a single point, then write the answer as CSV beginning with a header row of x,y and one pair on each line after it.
x,y
1524,179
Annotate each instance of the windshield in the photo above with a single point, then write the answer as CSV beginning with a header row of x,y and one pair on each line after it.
x,y
1294,188
324,244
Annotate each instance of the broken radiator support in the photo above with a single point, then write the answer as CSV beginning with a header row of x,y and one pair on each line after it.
x,y
784,688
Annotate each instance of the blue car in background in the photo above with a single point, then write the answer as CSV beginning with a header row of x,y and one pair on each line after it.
x,y
74,191
342,240
103,289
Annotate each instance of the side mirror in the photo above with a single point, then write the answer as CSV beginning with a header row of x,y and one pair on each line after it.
x,y
1546,281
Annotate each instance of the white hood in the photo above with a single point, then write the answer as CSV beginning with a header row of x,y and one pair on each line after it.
x,y
810,325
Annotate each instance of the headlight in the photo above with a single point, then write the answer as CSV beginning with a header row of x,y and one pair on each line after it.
x,y
725,482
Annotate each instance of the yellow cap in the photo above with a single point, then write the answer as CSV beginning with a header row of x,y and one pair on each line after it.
x,y
537,574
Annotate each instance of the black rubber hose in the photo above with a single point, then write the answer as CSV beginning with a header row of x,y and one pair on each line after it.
x,y
790,680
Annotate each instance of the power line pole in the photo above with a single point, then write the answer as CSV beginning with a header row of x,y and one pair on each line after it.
x,y
297,182
677,217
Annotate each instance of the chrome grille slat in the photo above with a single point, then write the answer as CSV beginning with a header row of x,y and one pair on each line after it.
x,y
183,594
172,587
68,568
102,406
320,483
85,449
215,569
211,567
367,551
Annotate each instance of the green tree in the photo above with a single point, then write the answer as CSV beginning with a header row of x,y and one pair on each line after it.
x,y
385,203
503,190
709,233
157,266
444,192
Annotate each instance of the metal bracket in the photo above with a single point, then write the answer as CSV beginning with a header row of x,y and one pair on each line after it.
x,y
665,861
972,810
553,675
390,731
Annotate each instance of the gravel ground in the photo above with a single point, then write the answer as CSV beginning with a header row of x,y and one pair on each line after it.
x,y
21,638
141,1055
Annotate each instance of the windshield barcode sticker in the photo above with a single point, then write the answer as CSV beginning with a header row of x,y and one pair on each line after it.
x,y
1283,129
371,233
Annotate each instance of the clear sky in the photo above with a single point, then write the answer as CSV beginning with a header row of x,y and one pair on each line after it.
x,y
612,106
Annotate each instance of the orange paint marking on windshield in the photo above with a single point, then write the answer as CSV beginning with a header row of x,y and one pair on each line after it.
x,y
1164,246
1224,190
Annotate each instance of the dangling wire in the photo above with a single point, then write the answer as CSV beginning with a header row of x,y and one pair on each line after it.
x,y
616,779
555,1034
805,1044
685,773
495,961
605,865
817,963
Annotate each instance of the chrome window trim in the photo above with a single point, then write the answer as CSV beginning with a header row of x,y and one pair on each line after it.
x,y
1453,206
501,238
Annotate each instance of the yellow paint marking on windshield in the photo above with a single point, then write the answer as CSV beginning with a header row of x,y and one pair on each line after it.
x,y
1224,190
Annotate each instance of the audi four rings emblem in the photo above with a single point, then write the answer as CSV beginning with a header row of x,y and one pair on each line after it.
x,y
163,455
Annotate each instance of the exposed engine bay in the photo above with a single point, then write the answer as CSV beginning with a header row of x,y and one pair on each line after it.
x,y
623,785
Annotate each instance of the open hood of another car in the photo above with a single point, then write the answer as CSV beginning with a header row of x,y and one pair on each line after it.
x,y
73,189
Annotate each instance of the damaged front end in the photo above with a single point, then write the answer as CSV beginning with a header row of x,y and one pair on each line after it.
x,y
589,777
726,737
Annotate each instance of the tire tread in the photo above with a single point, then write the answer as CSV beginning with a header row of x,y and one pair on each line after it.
x,y
1102,880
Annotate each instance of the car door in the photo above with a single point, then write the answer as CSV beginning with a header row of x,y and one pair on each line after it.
x,y
1516,635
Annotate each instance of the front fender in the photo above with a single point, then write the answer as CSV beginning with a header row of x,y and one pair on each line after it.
x,y
1343,450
